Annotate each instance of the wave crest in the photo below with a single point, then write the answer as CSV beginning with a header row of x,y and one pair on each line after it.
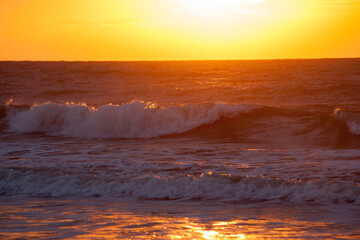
x,y
352,119
131,120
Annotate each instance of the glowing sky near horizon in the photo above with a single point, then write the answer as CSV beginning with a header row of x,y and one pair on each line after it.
x,y
178,29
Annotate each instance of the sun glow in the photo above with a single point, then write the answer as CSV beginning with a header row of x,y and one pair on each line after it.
x,y
214,7
178,29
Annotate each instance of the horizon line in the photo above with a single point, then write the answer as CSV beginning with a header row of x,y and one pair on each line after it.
x,y
187,60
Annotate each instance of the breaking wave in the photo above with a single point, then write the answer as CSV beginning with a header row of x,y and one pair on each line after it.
x,y
131,120
37,182
351,118
139,119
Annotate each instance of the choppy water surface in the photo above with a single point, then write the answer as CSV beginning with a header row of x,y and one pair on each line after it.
x,y
204,149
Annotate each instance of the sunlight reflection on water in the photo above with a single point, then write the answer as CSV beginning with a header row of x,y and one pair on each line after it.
x,y
102,219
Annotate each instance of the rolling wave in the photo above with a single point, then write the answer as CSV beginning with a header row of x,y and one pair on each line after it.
x,y
139,119
131,120
41,182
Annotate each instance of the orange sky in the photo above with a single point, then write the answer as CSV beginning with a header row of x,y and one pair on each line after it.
x,y
178,29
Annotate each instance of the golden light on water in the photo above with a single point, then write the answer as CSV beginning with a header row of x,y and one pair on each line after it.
x,y
112,226
213,232
98,219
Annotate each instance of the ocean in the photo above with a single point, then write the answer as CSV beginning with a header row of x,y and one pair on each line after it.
x,y
255,149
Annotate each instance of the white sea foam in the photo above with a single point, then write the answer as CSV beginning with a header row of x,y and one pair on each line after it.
x,y
207,186
354,127
352,119
131,120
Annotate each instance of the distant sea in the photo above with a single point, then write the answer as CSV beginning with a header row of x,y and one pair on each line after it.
x,y
180,149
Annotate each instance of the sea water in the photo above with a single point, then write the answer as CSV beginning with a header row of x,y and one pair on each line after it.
x,y
180,149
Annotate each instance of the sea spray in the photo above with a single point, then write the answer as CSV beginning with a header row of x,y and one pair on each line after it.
x,y
131,120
